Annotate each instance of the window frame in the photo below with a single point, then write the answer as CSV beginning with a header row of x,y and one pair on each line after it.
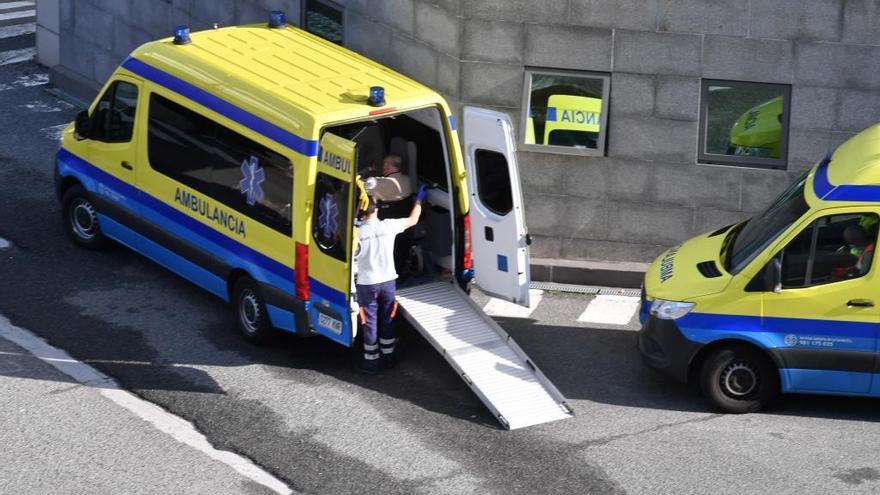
x,y
328,3
809,267
703,157
111,93
601,143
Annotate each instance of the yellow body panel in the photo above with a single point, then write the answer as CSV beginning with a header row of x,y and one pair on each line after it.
x,y
674,276
573,113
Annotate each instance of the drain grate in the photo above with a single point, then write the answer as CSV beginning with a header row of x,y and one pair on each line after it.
x,y
591,290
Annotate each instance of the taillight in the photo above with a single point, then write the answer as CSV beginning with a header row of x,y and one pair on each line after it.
x,y
301,272
467,261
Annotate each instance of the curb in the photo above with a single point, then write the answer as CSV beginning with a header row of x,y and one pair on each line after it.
x,y
604,274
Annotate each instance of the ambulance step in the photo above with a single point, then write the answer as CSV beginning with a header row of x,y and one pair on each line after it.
x,y
484,355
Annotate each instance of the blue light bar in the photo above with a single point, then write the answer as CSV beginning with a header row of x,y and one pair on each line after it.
x,y
277,19
181,35
377,96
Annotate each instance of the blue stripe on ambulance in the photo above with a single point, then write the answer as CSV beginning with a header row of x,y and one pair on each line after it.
x,y
824,190
772,333
284,137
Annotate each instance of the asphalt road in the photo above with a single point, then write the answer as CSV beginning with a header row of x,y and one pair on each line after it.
x,y
300,410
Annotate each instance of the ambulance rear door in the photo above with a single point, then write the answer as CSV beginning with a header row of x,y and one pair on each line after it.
x,y
499,239
330,251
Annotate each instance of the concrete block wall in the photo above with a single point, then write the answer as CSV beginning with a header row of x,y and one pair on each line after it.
x,y
649,191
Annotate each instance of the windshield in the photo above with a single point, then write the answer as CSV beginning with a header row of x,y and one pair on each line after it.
x,y
750,238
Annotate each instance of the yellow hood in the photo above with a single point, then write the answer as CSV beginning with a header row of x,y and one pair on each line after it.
x,y
675,274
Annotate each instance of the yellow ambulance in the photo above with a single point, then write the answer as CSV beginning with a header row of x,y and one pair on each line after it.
x,y
786,302
230,157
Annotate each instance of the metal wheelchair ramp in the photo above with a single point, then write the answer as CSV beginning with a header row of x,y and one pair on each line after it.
x,y
482,353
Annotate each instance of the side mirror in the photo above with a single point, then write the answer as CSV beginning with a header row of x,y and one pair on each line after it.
x,y
773,276
82,127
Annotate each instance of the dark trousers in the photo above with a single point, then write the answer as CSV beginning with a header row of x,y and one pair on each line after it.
x,y
378,308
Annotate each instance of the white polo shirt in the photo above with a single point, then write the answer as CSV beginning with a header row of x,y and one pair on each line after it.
x,y
376,253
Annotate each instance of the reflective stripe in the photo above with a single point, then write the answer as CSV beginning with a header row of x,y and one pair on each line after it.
x,y
371,347
371,357
387,350
387,341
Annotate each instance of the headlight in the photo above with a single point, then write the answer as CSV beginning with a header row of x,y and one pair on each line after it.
x,y
670,310
752,151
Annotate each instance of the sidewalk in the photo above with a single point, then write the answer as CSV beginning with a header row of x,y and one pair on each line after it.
x,y
59,436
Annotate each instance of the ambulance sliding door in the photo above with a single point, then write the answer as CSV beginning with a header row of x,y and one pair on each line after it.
x,y
330,247
499,238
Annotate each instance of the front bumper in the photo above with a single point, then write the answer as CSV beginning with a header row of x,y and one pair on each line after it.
x,y
664,348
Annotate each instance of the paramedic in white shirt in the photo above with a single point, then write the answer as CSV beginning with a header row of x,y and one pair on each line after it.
x,y
376,281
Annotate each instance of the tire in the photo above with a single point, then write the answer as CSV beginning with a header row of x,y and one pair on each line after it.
x,y
738,379
249,312
80,219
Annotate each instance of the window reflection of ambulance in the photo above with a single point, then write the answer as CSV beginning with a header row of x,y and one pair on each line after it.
x,y
570,121
784,302
758,131
229,156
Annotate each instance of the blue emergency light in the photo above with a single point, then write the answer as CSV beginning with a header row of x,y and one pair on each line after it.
x,y
181,35
277,19
377,96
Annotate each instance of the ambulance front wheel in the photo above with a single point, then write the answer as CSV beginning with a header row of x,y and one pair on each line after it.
x,y
738,379
80,219
249,311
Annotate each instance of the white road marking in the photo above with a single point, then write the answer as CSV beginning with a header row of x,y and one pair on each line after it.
x,y
178,428
43,107
54,133
498,307
4,243
15,5
611,310
18,30
24,14
16,56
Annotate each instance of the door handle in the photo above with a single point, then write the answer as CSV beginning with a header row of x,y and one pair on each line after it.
x,y
126,165
860,303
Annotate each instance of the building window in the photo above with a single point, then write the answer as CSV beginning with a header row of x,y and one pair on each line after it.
x,y
744,123
565,112
325,19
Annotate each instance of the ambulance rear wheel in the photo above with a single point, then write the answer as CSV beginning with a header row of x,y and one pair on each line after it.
x,y
739,380
249,311
80,219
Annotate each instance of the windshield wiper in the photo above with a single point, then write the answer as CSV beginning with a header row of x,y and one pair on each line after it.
x,y
728,241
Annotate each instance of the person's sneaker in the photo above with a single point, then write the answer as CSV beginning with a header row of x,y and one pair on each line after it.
x,y
389,360
370,367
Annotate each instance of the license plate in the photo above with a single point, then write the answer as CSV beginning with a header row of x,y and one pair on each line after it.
x,y
330,323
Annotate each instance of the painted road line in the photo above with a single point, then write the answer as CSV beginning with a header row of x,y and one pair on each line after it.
x,y
17,56
6,6
21,14
178,428
498,307
610,310
26,81
18,30
54,133
4,243
43,107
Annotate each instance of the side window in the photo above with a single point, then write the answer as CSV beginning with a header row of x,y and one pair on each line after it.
x,y
180,143
220,163
330,221
253,179
113,118
839,247
493,182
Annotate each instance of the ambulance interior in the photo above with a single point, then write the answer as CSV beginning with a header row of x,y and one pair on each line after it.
x,y
426,251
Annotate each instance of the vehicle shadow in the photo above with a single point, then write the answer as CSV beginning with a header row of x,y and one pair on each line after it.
x,y
604,366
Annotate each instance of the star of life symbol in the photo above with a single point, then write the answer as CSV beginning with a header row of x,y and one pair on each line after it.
x,y
253,176
328,211
791,339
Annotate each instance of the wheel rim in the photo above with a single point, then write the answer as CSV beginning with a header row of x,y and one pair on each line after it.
x,y
249,311
83,219
739,380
